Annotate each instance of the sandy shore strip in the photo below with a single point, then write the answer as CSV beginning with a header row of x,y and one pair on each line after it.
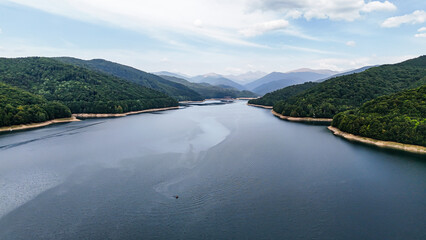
x,y
37,125
189,102
246,98
260,106
303,119
379,143
108,115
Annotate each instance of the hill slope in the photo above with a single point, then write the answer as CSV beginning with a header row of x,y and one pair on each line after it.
x,y
208,91
347,73
275,85
277,80
173,89
347,92
399,117
21,107
82,90
216,80
282,94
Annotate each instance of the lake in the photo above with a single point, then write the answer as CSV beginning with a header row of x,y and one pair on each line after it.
x,y
239,172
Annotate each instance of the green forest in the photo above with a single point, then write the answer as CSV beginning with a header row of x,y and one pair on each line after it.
x,y
282,94
19,107
347,92
209,91
176,90
399,117
81,90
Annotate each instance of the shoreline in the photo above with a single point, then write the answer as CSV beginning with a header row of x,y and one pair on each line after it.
x,y
245,98
302,119
379,143
259,106
109,115
38,125
186,102
75,118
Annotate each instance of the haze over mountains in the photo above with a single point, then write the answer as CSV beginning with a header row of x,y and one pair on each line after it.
x,y
258,82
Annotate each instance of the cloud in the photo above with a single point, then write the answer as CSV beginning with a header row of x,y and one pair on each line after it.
x,y
1,31
163,19
198,23
422,29
418,16
347,10
422,32
351,43
379,6
264,27
350,63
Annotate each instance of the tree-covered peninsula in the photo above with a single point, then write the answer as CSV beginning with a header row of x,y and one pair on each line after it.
x,y
20,107
399,117
348,92
81,89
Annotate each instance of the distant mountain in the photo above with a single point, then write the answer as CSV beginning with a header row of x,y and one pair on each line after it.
x,y
216,79
209,91
319,71
273,86
175,90
282,94
246,77
347,73
171,74
277,80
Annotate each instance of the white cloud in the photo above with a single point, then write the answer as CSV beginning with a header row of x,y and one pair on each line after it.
x,y
422,35
348,10
163,19
198,23
379,6
261,28
351,43
350,63
418,16
164,60
422,29
1,31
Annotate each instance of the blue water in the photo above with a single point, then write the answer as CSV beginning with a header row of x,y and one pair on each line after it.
x,y
239,172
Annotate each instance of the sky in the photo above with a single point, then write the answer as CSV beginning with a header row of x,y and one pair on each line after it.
x,y
227,37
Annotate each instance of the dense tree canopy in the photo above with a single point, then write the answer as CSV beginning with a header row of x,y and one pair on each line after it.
x,y
209,91
399,117
176,90
82,90
347,92
19,107
282,94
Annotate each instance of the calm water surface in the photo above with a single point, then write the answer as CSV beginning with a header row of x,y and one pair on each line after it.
x,y
239,172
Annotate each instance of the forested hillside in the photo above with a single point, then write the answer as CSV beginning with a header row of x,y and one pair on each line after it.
x,y
347,92
399,117
19,107
282,94
209,91
82,90
173,89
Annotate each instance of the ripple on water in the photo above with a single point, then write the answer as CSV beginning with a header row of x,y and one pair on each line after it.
x,y
19,188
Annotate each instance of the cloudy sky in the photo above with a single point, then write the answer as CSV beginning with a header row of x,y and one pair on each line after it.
x,y
222,36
